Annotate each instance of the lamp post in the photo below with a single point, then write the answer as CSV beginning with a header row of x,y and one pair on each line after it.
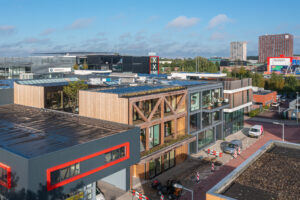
x,y
297,107
176,185
282,124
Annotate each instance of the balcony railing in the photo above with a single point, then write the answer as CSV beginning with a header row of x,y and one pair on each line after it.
x,y
170,140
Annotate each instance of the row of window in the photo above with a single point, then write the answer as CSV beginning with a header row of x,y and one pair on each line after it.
x,y
163,163
73,170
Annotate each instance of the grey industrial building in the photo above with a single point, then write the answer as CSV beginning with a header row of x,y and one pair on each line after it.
x,y
48,154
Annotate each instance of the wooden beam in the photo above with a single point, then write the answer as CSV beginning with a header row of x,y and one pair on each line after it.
x,y
169,105
180,102
130,113
140,112
155,109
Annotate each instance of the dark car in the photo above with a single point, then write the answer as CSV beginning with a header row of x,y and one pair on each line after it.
x,y
229,147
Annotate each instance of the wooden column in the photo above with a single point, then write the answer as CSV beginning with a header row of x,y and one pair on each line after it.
x,y
130,113
162,125
176,131
147,138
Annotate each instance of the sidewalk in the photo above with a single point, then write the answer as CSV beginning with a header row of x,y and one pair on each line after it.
x,y
201,188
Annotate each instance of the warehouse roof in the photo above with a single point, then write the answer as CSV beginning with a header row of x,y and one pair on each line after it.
x,y
31,132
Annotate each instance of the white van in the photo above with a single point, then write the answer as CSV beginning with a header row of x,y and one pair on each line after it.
x,y
256,131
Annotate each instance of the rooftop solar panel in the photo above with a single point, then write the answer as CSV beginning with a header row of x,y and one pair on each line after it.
x,y
126,90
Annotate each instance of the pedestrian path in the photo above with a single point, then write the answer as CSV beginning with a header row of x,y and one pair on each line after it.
x,y
201,188
269,120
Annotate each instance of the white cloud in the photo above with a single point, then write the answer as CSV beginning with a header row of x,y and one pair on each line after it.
x,y
183,22
81,23
7,30
218,20
47,31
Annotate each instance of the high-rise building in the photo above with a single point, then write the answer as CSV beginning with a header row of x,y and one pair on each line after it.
x,y
275,45
238,51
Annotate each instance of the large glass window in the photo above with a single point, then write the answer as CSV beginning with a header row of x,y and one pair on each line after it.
x,y
143,140
216,95
216,116
206,119
195,101
194,122
168,128
154,136
205,138
206,99
151,168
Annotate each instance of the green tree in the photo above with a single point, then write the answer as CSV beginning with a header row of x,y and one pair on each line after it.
x,y
276,82
75,66
242,72
72,92
85,65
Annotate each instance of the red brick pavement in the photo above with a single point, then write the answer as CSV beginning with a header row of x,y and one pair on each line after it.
x,y
201,188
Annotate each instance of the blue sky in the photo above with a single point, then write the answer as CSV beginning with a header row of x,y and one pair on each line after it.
x,y
170,28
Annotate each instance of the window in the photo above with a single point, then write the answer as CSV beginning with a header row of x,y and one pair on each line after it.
x,y
206,99
169,159
206,119
216,116
194,122
143,140
154,136
168,128
115,154
195,101
247,95
205,138
65,173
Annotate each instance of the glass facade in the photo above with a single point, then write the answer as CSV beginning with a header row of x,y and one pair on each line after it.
x,y
205,138
195,101
194,122
206,99
143,140
154,136
163,163
234,121
206,119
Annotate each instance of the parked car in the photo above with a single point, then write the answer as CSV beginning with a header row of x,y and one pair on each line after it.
x,y
256,131
229,147
275,104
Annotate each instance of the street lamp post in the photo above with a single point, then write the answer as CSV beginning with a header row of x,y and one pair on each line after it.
x,y
282,124
297,107
176,185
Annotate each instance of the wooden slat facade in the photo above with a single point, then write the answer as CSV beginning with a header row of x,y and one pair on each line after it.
x,y
104,106
29,95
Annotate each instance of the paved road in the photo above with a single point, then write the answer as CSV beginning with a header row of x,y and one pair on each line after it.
x,y
272,132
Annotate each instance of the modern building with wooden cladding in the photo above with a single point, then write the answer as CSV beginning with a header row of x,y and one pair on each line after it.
x,y
160,112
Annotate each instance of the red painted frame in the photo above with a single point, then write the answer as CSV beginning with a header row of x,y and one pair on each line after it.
x,y
79,176
157,64
8,172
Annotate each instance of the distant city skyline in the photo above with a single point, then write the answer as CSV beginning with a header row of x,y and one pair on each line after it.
x,y
171,29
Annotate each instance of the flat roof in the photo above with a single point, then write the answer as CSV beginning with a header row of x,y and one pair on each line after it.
x,y
135,89
48,82
263,92
31,132
270,173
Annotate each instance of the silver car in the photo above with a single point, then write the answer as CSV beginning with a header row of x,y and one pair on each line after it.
x,y
229,147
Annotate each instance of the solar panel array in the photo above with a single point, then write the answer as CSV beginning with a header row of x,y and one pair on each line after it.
x,y
133,89
48,82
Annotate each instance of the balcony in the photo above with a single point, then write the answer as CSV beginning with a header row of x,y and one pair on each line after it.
x,y
170,143
216,105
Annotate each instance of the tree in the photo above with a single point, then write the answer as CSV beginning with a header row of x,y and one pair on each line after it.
x,y
242,72
72,90
75,66
85,65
